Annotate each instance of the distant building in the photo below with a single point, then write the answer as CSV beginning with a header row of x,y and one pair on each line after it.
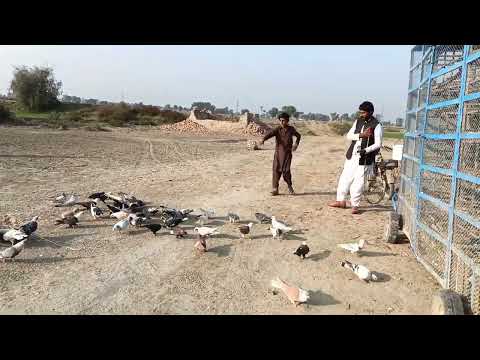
x,y
399,122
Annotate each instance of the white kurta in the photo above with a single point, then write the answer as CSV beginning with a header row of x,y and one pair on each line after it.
x,y
353,174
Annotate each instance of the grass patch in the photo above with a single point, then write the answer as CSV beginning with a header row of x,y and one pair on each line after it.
x,y
340,128
393,135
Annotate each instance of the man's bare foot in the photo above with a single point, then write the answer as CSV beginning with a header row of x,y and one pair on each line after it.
x,y
338,204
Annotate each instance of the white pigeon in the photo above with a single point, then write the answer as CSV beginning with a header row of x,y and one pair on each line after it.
x,y
361,271
206,231
12,251
14,235
276,232
70,201
121,225
119,215
353,247
279,225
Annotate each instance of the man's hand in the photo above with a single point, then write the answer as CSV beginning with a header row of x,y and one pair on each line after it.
x,y
367,133
294,148
361,152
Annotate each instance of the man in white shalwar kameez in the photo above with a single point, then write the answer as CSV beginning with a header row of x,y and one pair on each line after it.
x,y
366,136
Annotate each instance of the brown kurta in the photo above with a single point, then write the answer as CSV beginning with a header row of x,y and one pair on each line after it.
x,y
283,153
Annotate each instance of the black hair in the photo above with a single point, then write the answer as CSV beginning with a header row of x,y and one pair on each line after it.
x,y
366,106
284,115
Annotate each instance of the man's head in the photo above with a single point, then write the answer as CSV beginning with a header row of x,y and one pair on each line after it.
x,y
366,110
284,118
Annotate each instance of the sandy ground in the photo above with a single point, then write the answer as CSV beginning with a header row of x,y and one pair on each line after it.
x,y
94,271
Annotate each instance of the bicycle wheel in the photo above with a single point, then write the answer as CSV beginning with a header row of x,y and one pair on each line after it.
x,y
374,190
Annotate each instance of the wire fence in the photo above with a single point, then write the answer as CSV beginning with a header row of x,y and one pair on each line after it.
x,y
439,197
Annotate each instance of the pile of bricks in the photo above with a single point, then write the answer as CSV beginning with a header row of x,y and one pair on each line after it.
x,y
186,126
255,129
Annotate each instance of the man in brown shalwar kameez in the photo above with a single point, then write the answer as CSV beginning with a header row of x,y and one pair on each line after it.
x,y
283,152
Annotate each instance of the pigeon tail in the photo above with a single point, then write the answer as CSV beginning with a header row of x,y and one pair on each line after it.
x,y
303,295
374,277
347,264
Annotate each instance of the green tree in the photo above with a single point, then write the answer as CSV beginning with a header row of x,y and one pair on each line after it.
x,y
334,116
35,89
273,112
290,109
244,111
203,106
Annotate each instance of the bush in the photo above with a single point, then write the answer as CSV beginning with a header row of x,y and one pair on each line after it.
x,y
340,128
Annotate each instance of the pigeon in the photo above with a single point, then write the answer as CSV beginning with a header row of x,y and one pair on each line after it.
x,y
68,201
114,209
201,244
119,215
233,218
14,235
276,232
121,225
12,251
245,229
30,227
60,198
353,247
95,211
86,204
153,228
71,221
147,212
172,222
361,271
136,220
208,213
179,233
99,195
185,212
302,250
293,293
202,220
205,231
70,213
279,225
262,218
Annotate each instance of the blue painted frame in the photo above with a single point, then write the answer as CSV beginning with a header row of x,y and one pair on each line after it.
x,y
452,172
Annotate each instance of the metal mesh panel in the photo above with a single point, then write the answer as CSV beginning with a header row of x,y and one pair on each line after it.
x,y
434,217
420,120
474,48
422,96
460,276
475,297
416,55
471,116
415,75
438,153
470,157
432,252
466,238
446,86
408,218
410,122
446,55
442,121
467,198
409,146
436,185
412,100
473,76
426,66
418,143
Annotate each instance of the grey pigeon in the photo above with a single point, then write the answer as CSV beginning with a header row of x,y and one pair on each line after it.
x,y
262,218
30,227
12,251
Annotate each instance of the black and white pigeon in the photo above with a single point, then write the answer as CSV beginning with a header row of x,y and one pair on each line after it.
x,y
95,211
174,221
30,227
276,232
302,250
154,228
245,229
12,251
99,195
262,218
233,218
361,271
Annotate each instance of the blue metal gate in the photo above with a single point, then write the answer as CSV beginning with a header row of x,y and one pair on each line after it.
x,y
439,195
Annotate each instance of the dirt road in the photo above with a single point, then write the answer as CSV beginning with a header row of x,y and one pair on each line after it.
x,y
94,271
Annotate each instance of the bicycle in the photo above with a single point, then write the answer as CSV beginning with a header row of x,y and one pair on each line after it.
x,y
383,181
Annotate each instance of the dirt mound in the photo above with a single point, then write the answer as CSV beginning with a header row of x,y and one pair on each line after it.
x,y
186,126
256,129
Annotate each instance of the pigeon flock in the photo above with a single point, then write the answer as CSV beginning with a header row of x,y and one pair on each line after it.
x,y
128,212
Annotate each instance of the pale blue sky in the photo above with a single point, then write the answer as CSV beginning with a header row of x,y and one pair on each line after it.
x,y
313,78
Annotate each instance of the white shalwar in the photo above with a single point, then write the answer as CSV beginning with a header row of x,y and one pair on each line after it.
x,y
353,174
